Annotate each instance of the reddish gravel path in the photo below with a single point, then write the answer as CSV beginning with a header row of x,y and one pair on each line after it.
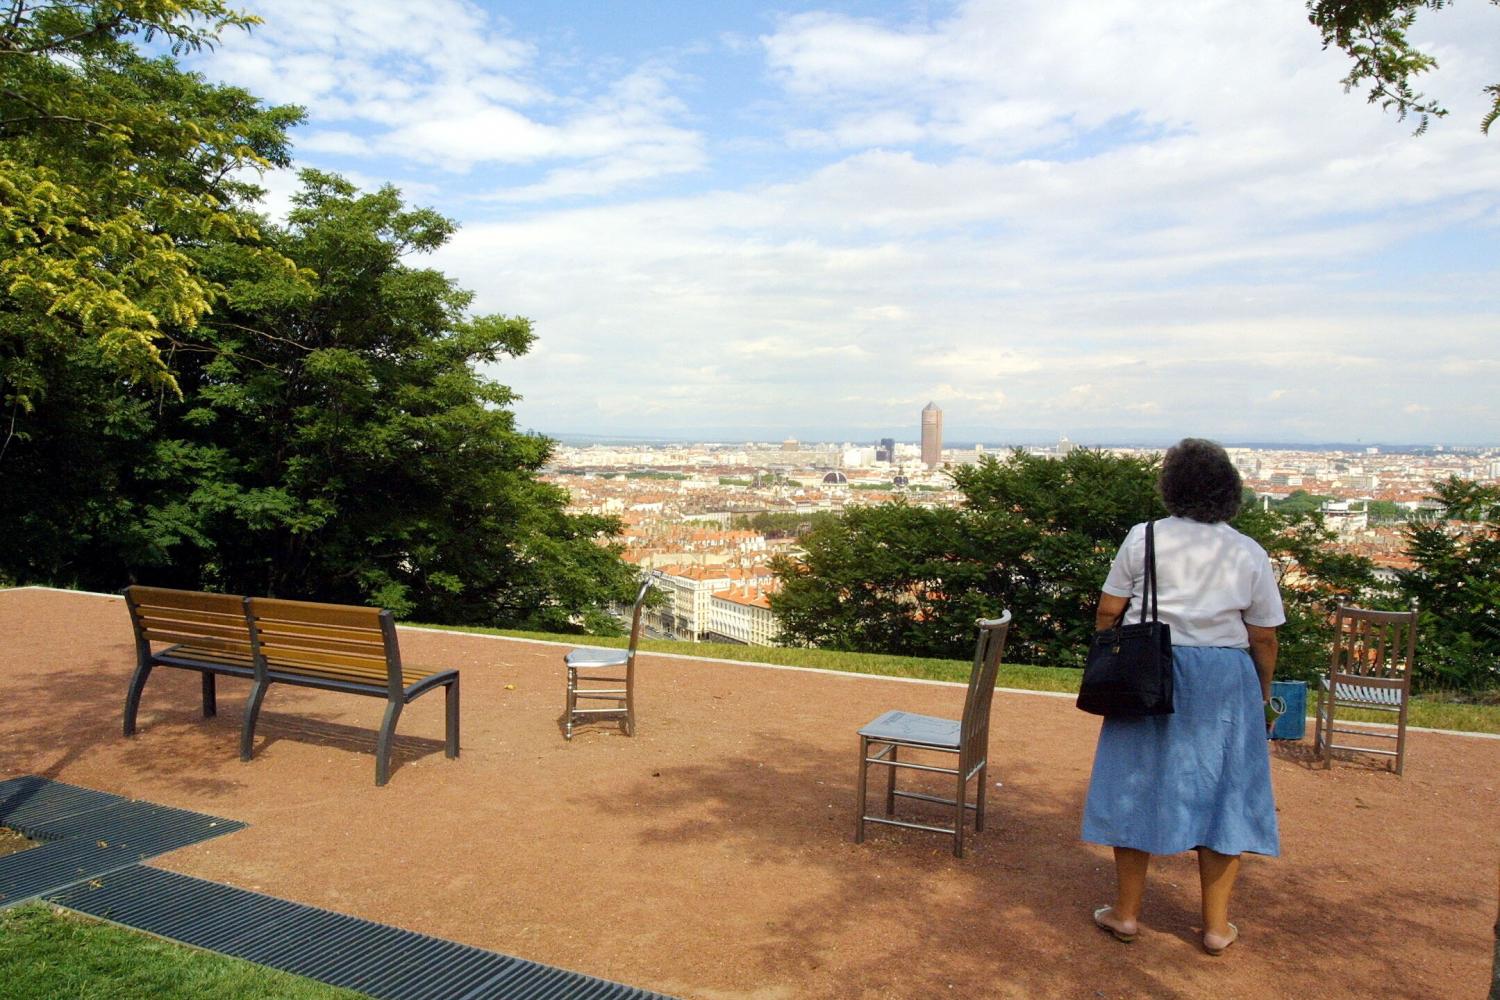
x,y
710,856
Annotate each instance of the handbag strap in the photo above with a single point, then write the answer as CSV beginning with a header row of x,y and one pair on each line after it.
x,y
1150,594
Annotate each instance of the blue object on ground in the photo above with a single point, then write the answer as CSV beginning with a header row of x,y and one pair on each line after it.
x,y
1293,722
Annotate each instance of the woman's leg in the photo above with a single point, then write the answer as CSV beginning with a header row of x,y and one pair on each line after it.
x,y
1130,873
1216,873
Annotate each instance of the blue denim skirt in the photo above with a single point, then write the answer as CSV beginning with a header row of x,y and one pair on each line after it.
x,y
1200,777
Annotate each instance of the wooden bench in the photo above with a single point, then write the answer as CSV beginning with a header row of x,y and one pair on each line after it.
x,y
267,641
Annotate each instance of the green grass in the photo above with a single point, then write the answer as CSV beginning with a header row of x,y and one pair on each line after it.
x,y
1432,713
47,953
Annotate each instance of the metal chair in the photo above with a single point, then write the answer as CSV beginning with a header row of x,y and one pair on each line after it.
x,y
621,687
881,742
1369,668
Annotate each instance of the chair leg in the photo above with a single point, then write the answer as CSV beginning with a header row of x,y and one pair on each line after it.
x,y
252,713
859,794
210,702
1401,739
1328,733
383,744
571,702
958,816
979,798
629,707
890,782
451,695
133,695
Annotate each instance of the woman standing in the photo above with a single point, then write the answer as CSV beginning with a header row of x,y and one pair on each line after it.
x,y
1200,778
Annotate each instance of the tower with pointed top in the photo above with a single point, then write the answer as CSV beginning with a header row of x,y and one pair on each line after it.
x,y
932,436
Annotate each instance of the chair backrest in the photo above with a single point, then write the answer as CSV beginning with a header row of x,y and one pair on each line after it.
x,y
974,731
207,621
635,614
1373,644
339,641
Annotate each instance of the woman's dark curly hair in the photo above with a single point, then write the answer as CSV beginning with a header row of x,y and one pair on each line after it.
x,y
1199,481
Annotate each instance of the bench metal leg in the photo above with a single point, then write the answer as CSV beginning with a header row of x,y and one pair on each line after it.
x,y
210,701
452,696
133,695
252,713
383,744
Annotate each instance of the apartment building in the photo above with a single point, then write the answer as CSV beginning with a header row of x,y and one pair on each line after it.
x,y
686,615
743,615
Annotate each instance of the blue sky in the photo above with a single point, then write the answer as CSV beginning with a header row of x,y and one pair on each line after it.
x,y
1113,219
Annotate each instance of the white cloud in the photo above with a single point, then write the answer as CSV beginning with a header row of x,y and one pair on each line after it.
x,y
442,84
1076,216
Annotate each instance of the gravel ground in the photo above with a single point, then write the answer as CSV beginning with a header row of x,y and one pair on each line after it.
x,y
710,856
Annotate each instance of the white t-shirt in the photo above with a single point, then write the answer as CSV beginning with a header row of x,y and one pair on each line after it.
x,y
1210,581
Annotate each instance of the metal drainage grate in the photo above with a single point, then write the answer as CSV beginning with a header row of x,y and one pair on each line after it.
x,y
29,800
374,959
87,834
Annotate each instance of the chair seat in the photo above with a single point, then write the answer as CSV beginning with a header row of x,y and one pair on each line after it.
x,y
908,727
590,656
1385,696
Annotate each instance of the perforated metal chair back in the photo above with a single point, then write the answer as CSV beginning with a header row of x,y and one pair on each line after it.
x,y
974,733
635,615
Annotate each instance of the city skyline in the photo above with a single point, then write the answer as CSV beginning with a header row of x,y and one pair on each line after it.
x,y
734,221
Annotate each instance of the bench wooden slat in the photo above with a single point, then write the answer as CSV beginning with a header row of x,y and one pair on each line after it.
x,y
193,653
372,647
210,640
193,619
408,677
309,660
187,600
346,615
322,661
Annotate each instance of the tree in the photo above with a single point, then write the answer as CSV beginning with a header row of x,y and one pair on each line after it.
x,y
886,578
1037,536
1456,584
1047,531
114,167
1299,502
1373,33
333,439
1314,578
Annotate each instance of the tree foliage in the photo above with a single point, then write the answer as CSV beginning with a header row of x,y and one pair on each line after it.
x,y
1456,583
1314,578
333,439
195,397
114,167
1036,535
1373,33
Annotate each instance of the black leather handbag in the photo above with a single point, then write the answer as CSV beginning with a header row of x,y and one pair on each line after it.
x,y
1129,668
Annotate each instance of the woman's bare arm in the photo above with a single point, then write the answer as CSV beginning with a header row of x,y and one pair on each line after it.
x,y
1263,648
1110,608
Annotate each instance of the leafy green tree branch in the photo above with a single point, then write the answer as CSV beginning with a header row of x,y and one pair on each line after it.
x,y
1374,34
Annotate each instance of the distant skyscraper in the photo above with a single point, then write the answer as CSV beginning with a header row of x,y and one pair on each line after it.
x,y
887,450
932,435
